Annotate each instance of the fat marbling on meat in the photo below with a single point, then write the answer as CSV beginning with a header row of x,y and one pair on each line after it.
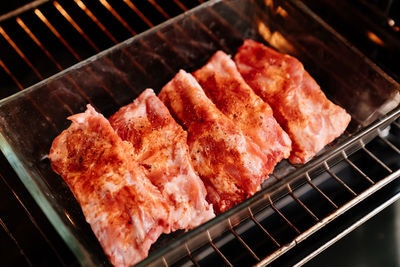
x,y
230,164
224,85
125,210
298,103
160,146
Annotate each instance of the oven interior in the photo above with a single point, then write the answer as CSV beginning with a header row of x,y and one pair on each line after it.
x,y
298,204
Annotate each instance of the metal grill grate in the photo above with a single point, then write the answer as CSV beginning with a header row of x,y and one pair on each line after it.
x,y
45,37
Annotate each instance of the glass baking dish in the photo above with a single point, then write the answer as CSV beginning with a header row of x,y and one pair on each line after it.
x,y
31,119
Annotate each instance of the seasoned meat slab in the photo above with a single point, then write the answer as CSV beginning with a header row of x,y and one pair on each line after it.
x,y
230,164
299,105
125,210
224,85
160,146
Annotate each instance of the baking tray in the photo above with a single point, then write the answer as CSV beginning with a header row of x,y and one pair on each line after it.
x,y
31,119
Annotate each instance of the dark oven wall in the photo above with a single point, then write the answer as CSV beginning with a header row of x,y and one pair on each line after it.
x,y
372,26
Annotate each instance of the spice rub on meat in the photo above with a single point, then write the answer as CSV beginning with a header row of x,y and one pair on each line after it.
x,y
231,166
160,146
125,210
299,105
224,85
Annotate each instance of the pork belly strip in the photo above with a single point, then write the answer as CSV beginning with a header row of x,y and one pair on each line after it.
x,y
299,105
231,166
224,85
160,146
125,210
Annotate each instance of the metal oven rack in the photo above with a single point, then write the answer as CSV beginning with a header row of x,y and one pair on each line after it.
x,y
44,37
270,224
288,213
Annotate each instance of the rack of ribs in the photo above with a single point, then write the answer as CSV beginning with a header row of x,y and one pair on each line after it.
x,y
160,146
298,103
223,84
230,164
125,210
